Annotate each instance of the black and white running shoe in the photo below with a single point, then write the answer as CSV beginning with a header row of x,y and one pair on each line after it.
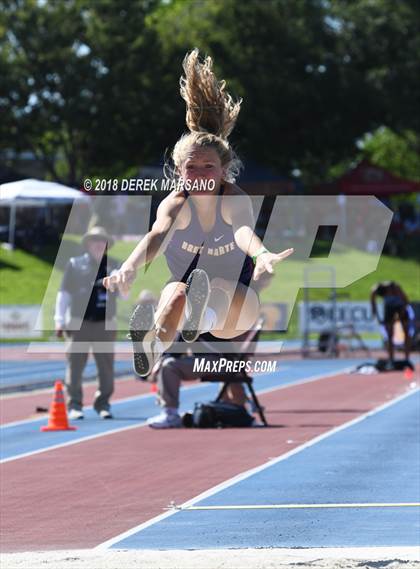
x,y
143,335
198,294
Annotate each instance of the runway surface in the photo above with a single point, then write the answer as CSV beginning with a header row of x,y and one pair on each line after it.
x,y
345,446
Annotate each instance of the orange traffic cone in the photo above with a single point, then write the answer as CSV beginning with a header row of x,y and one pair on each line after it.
x,y
57,420
408,373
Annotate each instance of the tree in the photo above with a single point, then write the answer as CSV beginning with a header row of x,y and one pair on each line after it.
x,y
398,153
77,84
92,87
312,73
381,40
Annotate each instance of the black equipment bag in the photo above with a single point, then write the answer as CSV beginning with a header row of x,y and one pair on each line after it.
x,y
396,365
219,414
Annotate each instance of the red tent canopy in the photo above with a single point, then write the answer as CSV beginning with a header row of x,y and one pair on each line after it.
x,y
367,179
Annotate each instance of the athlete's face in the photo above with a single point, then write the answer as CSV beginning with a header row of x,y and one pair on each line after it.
x,y
203,164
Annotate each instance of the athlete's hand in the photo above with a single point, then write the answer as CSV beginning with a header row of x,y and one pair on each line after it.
x,y
120,280
266,262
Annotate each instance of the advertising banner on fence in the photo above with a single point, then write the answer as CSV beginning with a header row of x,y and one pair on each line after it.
x,y
318,316
275,315
19,321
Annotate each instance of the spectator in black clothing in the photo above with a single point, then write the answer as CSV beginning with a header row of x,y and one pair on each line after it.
x,y
89,327
396,305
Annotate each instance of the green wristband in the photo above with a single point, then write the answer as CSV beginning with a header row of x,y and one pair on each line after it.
x,y
258,253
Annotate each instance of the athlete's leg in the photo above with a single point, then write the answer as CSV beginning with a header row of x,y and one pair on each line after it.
x,y
152,333
76,362
170,312
405,323
199,317
389,327
236,305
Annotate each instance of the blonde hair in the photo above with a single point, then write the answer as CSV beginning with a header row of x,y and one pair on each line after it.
x,y
211,114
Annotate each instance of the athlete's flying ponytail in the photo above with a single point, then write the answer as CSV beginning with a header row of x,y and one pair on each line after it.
x,y
211,114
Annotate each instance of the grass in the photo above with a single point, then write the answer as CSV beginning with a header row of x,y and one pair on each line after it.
x,y
34,279
349,265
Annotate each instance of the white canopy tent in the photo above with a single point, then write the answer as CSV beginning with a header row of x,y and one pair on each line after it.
x,y
36,193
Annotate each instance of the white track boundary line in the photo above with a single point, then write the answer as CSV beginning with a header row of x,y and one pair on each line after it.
x,y
142,424
4,396
298,506
82,439
248,473
346,369
87,408
39,391
90,407
70,443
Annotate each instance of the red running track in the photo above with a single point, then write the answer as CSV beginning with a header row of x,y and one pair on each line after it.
x,y
82,495
22,406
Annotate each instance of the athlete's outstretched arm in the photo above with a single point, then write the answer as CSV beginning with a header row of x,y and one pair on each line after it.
x,y
147,249
242,219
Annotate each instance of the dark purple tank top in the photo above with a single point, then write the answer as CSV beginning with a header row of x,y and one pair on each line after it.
x,y
215,251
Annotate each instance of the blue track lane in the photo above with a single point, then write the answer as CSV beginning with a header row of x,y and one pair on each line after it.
x,y
26,437
375,460
18,374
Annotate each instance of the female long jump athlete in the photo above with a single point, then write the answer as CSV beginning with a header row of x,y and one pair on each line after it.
x,y
211,229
